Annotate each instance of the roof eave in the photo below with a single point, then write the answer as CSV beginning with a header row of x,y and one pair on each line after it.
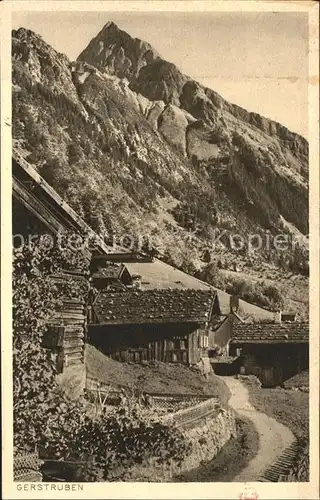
x,y
150,322
265,341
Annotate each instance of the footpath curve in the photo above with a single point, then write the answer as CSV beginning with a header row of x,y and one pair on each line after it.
x,y
274,437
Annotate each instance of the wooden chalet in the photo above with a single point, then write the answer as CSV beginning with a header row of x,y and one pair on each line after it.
x,y
273,352
169,325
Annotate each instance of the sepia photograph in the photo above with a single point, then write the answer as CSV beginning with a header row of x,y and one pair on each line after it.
x,y
160,247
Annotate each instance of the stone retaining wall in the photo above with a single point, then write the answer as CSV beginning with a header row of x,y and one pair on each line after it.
x,y
207,438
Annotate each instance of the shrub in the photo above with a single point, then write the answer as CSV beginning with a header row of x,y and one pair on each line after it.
x,y
128,435
211,274
273,293
260,293
74,153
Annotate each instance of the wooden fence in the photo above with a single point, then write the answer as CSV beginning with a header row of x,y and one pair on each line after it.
x,y
182,410
26,467
196,414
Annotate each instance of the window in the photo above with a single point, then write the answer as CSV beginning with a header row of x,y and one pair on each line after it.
x,y
170,345
205,341
200,341
177,344
136,356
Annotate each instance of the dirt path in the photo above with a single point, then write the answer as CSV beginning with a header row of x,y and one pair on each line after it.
x,y
273,436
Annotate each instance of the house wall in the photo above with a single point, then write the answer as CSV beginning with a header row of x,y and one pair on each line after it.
x,y
221,336
273,364
137,343
65,336
193,352
26,224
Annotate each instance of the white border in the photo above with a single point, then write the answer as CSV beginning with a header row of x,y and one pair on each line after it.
x,y
160,490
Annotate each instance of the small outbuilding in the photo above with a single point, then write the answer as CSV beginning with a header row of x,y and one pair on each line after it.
x,y
273,352
111,274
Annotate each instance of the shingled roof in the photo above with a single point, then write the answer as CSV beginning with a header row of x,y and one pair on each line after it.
x,y
154,306
270,333
159,275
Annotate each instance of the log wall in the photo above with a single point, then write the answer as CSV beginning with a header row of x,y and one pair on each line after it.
x,y
66,334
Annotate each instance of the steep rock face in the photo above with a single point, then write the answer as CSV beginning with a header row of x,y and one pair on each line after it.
x,y
170,120
199,143
160,80
172,124
193,98
92,137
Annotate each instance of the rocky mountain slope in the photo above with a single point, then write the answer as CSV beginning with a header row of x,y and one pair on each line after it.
x,y
139,149
113,51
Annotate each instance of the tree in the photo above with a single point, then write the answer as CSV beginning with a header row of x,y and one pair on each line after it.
x,y
74,153
211,274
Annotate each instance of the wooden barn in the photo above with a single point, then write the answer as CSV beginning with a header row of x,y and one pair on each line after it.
x,y
273,352
169,325
234,311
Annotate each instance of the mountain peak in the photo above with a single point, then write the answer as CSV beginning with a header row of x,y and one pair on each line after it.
x,y
114,51
112,29
111,33
110,25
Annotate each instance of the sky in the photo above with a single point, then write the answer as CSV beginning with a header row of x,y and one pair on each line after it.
x,y
256,60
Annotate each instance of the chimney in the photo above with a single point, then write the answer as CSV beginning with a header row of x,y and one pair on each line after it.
x,y
277,317
234,303
136,281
